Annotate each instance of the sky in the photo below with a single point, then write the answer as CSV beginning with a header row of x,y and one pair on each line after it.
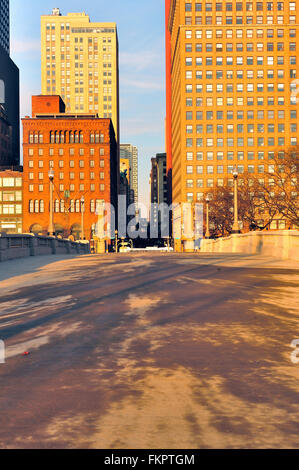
x,y
140,25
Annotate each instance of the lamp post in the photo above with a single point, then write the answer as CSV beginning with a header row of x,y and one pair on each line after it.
x,y
51,178
82,218
116,241
236,221
207,220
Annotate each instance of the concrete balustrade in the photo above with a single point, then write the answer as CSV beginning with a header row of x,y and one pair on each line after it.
x,y
283,244
22,246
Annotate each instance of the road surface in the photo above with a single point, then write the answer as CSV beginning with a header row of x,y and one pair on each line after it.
x,y
149,351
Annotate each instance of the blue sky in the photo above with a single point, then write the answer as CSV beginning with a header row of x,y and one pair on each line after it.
x,y
140,26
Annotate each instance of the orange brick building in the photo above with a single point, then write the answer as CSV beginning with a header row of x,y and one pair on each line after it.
x,y
82,151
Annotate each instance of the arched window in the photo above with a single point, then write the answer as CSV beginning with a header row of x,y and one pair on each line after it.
x,y
31,206
76,137
56,137
52,137
72,206
36,137
71,137
102,138
62,206
31,138
77,207
40,138
36,206
97,138
41,206
92,138
81,137
56,207
62,137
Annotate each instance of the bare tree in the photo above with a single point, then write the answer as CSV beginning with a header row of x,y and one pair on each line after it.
x,y
281,188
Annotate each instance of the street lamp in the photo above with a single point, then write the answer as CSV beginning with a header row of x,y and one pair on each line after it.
x,y
116,241
236,221
207,215
51,178
82,218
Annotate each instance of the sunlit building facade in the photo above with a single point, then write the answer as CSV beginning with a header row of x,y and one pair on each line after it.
x,y
79,62
232,85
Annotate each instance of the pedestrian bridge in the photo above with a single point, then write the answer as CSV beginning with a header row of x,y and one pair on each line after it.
x,y
22,246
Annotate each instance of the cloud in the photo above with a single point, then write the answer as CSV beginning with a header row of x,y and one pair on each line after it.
x,y
134,127
18,46
141,60
143,85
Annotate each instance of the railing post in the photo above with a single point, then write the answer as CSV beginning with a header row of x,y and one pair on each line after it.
x,y
32,246
53,246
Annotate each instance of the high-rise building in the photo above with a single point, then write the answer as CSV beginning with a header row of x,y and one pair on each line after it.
x,y
231,77
5,139
79,62
82,151
9,88
4,25
130,152
158,185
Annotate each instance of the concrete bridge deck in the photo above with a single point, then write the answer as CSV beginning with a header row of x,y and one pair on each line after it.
x,y
149,351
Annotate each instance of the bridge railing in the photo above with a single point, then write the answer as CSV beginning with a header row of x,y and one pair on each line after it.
x,y
22,246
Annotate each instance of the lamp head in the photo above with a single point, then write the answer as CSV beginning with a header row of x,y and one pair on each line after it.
x,y
51,174
235,173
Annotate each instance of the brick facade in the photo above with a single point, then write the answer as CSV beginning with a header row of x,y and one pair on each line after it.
x,y
82,151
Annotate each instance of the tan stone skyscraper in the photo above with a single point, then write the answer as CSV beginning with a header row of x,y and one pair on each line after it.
x,y
232,69
80,63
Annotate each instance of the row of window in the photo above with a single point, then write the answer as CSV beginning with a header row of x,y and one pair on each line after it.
x,y
10,196
10,209
250,60
249,101
240,20
66,137
230,155
239,33
10,182
221,169
61,164
230,115
240,128
240,88
62,206
238,74
71,176
240,6
210,183
61,187
240,47
240,142
61,152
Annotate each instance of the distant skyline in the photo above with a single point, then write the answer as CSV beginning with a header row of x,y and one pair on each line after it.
x,y
142,66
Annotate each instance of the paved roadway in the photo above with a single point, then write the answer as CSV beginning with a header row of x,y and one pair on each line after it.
x,y
149,351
